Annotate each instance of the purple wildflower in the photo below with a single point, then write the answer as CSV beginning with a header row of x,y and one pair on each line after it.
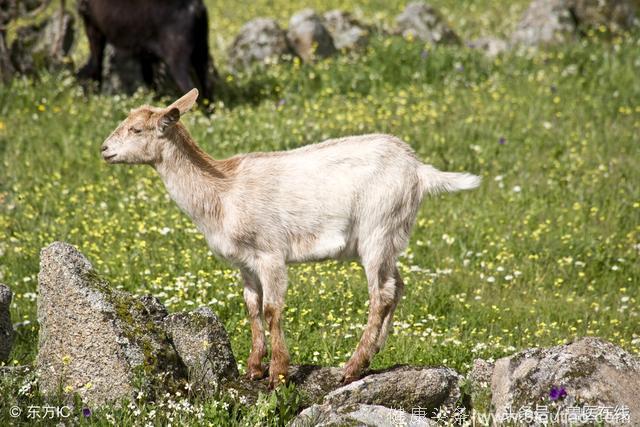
x,y
86,412
281,102
502,140
557,393
424,54
460,68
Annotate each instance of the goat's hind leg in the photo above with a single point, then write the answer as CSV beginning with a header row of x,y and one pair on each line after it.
x,y
387,324
253,301
382,301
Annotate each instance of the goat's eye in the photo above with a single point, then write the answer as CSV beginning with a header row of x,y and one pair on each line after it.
x,y
135,130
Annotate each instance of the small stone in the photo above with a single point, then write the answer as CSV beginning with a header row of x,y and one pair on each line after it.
x,y
491,46
346,31
308,36
260,40
6,327
545,22
558,21
422,21
203,345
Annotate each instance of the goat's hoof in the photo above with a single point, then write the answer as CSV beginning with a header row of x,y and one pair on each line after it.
x,y
276,380
348,379
350,375
256,374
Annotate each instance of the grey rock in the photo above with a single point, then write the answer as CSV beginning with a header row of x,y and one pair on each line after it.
x,y
591,371
491,46
308,36
95,340
44,45
346,31
402,387
557,21
545,22
422,21
260,40
481,373
358,415
6,327
202,343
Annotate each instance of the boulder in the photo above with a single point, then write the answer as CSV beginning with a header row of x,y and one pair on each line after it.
x,y
260,40
422,21
346,31
402,387
202,343
97,341
587,372
44,45
6,327
308,36
557,21
491,46
545,22
358,415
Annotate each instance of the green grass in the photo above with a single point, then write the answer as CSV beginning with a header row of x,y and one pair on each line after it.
x,y
488,272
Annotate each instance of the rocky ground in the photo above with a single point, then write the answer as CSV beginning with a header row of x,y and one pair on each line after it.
x,y
105,346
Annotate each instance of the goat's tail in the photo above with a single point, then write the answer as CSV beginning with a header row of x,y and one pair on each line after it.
x,y
435,181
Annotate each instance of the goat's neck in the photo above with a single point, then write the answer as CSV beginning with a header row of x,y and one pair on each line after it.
x,y
191,177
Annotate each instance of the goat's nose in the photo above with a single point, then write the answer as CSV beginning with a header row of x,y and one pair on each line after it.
x,y
103,148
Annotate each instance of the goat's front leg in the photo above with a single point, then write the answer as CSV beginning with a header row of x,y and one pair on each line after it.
x,y
253,301
273,277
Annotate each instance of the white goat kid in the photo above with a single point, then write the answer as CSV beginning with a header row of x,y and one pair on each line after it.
x,y
354,197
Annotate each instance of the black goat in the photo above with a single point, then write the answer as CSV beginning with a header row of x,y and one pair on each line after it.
x,y
174,31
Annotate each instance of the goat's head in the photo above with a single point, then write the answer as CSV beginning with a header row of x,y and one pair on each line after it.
x,y
142,136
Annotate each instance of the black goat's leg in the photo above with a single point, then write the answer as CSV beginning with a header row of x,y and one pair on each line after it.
x,y
97,40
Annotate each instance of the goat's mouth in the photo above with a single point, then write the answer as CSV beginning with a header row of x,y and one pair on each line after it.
x,y
109,157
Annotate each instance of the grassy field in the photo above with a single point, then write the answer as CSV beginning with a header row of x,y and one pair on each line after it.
x,y
546,250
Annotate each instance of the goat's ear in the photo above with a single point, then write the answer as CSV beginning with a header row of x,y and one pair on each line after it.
x,y
169,118
185,103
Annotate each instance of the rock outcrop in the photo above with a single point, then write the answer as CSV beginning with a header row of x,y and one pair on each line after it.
x,y
202,343
422,21
260,40
308,36
6,327
587,372
95,340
